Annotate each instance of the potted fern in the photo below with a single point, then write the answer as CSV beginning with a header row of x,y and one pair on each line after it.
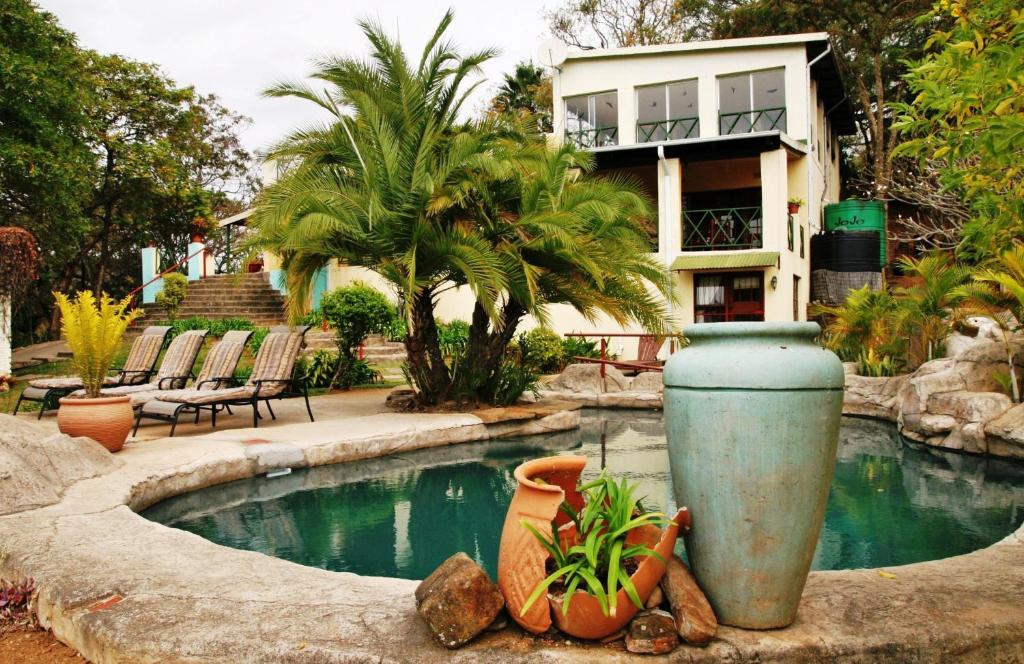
x,y
591,568
93,328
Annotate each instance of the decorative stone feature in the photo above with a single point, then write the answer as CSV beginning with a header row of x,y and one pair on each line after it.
x,y
950,402
458,601
583,384
694,618
656,598
652,632
1005,434
587,378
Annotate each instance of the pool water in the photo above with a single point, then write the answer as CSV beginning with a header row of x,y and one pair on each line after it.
x,y
401,516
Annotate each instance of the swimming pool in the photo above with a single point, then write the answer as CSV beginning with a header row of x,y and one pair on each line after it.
x,y
401,516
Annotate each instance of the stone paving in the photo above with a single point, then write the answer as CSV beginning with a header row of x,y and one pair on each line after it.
x,y
120,588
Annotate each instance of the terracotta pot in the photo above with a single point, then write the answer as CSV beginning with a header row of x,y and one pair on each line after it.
x,y
106,420
793,208
521,557
585,620
197,237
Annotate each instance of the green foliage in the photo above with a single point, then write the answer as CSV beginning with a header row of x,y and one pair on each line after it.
x,y
453,337
256,340
867,321
541,349
321,368
93,328
1007,383
580,347
527,91
512,381
596,563
967,115
870,364
174,292
215,327
396,330
930,309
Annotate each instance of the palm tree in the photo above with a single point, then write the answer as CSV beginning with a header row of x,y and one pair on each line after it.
x,y
931,306
998,292
528,91
396,184
867,322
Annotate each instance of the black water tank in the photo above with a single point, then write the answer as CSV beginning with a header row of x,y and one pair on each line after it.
x,y
846,251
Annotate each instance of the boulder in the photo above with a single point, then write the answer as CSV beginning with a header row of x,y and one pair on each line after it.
x,y
872,397
586,377
969,406
694,618
458,601
927,424
652,632
37,465
655,599
648,381
1005,434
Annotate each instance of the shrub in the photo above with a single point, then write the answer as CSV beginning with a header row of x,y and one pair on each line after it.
x,y
256,340
355,312
15,599
322,367
396,330
215,328
174,292
541,350
93,328
453,338
579,347
512,381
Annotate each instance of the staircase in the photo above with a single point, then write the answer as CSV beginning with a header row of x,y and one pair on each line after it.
x,y
376,349
248,296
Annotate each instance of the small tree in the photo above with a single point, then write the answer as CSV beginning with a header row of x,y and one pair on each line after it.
x,y
930,307
354,312
93,327
18,262
173,294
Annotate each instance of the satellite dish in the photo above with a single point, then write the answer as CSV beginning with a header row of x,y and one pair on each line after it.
x,y
552,53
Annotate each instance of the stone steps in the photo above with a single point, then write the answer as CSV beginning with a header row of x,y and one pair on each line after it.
x,y
248,296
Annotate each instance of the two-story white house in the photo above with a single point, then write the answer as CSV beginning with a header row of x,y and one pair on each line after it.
x,y
721,134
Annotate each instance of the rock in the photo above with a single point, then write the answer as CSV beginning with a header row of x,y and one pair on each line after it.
x,y
499,623
694,618
969,406
872,397
648,381
401,398
631,399
1005,434
38,464
928,424
458,601
652,632
656,598
586,378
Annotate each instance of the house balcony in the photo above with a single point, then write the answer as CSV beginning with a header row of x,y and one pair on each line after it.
x,y
718,229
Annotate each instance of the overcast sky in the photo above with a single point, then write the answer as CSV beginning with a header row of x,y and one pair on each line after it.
x,y
236,48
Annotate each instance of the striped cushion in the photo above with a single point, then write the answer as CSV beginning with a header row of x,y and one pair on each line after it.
x,y
275,361
206,396
142,357
121,391
181,355
221,361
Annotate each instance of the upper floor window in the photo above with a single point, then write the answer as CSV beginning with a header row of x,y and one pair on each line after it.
x,y
667,112
755,101
592,121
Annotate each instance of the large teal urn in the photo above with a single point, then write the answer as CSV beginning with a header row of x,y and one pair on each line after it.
x,y
752,413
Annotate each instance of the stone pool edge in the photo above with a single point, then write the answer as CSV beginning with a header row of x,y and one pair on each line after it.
x,y
119,588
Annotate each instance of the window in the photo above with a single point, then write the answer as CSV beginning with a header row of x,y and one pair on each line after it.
x,y
801,241
789,231
796,298
755,101
592,121
667,112
728,297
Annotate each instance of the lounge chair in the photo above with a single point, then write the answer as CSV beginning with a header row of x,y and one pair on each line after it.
x,y
175,368
648,346
217,372
271,378
137,370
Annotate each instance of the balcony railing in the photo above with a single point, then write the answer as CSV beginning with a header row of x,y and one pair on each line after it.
x,y
758,119
667,130
593,138
722,228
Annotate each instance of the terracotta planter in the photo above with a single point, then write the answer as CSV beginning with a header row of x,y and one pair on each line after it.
x,y
793,208
521,557
106,420
585,620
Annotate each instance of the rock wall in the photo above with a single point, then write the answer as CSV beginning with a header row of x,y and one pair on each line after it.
x,y
584,384
954,403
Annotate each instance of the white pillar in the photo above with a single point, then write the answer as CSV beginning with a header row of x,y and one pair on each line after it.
x,y
150,268
196,262
5,336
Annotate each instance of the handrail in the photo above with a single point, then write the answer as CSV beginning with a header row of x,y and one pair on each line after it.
x,y
604,361
722,228
646,130
172,268
593,138
753,116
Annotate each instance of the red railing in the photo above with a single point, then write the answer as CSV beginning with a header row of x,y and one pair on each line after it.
x,y
172,268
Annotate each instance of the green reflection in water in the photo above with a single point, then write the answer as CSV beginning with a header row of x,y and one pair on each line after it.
x,y
890,503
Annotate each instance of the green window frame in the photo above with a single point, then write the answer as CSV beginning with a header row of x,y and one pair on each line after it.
x,y
789,231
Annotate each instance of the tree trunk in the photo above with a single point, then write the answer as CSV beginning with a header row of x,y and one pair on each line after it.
x,y
426,363
487,346
5,335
